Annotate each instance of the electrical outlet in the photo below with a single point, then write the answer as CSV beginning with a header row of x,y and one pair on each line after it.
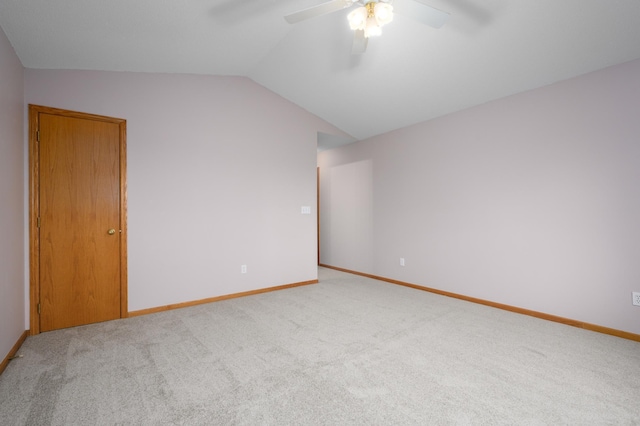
x,y
243,269
636,298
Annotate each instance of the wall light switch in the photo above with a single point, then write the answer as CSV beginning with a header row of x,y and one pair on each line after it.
x,y
243,269
305,210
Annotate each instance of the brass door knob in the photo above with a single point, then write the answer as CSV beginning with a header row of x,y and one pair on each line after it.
x,y
111,231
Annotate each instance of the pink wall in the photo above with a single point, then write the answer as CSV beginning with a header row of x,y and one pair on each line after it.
x,y
531,201
12,185
218,168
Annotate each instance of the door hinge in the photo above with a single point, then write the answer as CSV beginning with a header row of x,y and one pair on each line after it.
x,y
38,309
38,135
38,224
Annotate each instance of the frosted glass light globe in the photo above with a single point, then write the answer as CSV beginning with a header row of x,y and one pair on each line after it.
x,y
383,13
358,18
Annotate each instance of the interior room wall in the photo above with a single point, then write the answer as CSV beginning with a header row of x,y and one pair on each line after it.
x,y
218,169
12,208
531,201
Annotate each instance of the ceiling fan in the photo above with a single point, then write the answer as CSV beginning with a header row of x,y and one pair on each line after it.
x,y
371,15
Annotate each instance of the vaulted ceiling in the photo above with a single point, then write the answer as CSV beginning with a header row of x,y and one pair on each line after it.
x,y
411,73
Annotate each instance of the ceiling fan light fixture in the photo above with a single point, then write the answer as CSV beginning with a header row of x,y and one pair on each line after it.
x,y
371,17
368,17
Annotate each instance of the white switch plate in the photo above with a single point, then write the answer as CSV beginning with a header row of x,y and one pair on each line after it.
x,y
243,269
636,298
305,210
402,261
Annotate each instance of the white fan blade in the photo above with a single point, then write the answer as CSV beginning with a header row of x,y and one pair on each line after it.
x,y
421,12
322,9
359,43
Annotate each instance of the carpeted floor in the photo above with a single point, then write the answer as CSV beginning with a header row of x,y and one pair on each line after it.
x,y
346,351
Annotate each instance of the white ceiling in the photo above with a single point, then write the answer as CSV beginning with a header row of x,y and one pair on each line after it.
x,y
489,49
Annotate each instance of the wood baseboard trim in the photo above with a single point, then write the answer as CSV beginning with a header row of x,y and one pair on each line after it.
x,y
217,298
541,315
13,351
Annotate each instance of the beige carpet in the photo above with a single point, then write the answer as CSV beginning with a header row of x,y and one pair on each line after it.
x,y
346,351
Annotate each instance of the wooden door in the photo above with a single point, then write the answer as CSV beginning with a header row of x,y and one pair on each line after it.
x,y
80,216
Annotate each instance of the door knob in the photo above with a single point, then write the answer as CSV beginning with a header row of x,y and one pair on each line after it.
x,y
111,231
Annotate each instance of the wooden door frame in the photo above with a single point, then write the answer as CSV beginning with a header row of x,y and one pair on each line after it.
x,y
318,211
34,207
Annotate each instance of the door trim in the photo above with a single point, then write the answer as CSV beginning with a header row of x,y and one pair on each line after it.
x,y
34,208
318,212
